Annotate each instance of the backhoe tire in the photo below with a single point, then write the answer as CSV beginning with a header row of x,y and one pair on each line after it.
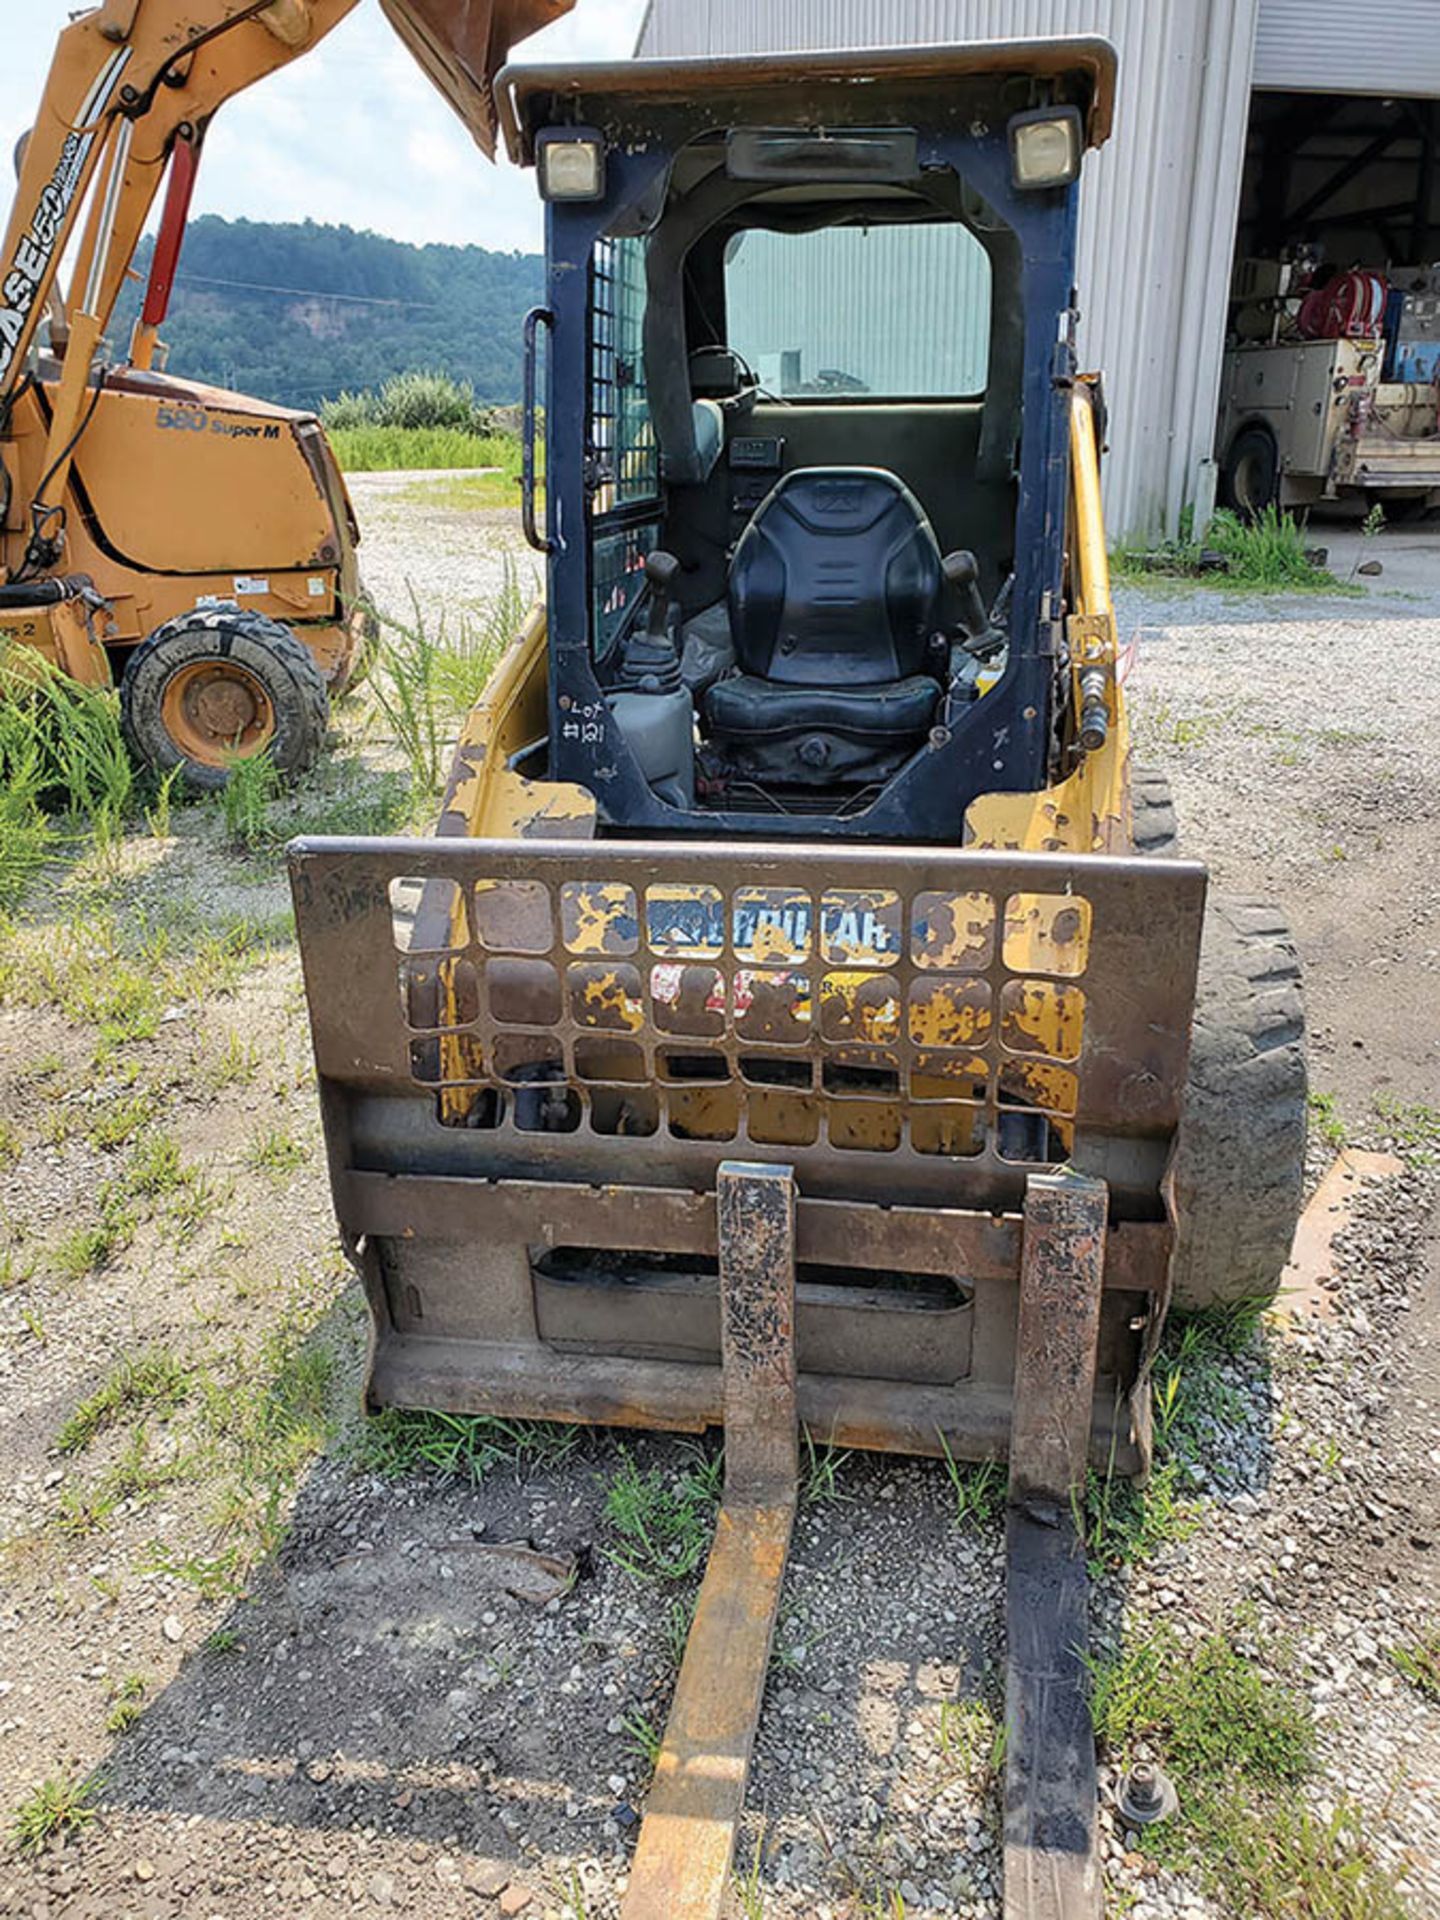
x,y
221,683
1240,1158
367,646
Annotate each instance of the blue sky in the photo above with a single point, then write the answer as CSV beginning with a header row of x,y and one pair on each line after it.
x,y
352,132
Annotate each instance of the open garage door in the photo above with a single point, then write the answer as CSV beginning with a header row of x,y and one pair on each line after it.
x,y
1320,45
1331,381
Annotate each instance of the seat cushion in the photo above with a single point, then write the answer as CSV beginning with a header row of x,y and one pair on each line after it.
x,y
748,707
835,581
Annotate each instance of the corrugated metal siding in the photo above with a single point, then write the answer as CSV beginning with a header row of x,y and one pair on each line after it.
x,y
832,298
1335,46
1158,205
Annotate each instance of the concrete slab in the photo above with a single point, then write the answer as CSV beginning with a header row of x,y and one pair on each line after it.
x,y
1306,1281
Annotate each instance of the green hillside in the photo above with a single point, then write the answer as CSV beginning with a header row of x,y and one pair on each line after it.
x,y
298,313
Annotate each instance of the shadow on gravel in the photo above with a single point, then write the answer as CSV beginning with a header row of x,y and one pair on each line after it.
x,y
377,1682
371,1680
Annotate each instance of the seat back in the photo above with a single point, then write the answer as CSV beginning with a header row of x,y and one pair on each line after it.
x,y
835,581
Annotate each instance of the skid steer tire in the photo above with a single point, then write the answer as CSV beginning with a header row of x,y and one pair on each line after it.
x,y
221,682
1240,1158
1241,1153
1154,829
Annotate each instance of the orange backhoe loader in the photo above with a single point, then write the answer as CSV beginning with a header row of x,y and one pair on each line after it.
x,y
195,545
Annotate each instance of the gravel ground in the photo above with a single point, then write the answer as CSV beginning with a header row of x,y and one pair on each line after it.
x,y
414,551
376,1727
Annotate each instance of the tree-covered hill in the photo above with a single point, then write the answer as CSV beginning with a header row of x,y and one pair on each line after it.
x,y
298,313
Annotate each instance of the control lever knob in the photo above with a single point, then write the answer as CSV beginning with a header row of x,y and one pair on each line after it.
x,y
661,572
962,570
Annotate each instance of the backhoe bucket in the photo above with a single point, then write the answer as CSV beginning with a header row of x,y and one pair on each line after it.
x,y
463,44
676,1135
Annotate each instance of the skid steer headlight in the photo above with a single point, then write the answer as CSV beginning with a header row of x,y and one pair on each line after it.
x,y
1045,147
571,164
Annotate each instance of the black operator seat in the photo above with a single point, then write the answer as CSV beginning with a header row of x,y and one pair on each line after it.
x,y
834,590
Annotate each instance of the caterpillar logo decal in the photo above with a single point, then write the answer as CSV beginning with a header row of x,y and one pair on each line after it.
x,y
35,249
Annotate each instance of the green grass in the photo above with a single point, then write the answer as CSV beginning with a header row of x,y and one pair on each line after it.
x,y
152,1172
16,1269
58,1809
245,799
236,1065
61,753
340,794
1209,1705
664,1520
1192,1397
1418,1661
60,742
1161,730
642,1738
127,1698
1413,1127
243,1423
979,1490
157,1381
460,1446
119,973
492,490
26,844
116,1123
427,678
679,1618
1325,1119
134,1477
1266,555
820,1470
154,1168
1239,1744
1123,1524
89,1249
377,449
972,1738
344,795
276,1151
267,1422
217,1576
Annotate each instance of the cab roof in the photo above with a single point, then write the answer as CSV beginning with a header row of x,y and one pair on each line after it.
x,y
616,95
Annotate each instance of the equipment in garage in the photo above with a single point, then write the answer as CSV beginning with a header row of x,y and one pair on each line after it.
x,y
1331,390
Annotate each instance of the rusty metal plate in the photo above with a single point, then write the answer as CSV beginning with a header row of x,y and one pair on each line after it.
x,y
635,1013
1062,1265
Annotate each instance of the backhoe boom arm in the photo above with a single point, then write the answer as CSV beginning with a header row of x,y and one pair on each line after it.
x,y
130,76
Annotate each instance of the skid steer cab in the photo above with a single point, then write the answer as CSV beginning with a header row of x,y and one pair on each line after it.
x,y
780,1025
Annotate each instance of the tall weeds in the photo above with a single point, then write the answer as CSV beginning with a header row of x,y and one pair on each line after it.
x,y
371,448
61,751
427,678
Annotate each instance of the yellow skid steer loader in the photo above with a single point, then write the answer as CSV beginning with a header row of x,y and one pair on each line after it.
x,y
791,1017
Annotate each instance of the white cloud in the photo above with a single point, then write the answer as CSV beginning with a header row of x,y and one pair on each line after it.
x,y
352,132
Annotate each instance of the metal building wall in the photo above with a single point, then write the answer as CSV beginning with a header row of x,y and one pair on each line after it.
x,y
1334,46
840,312
1158,205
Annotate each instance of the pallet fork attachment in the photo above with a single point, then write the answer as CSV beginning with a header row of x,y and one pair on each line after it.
x,y
682,1862
673,1136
